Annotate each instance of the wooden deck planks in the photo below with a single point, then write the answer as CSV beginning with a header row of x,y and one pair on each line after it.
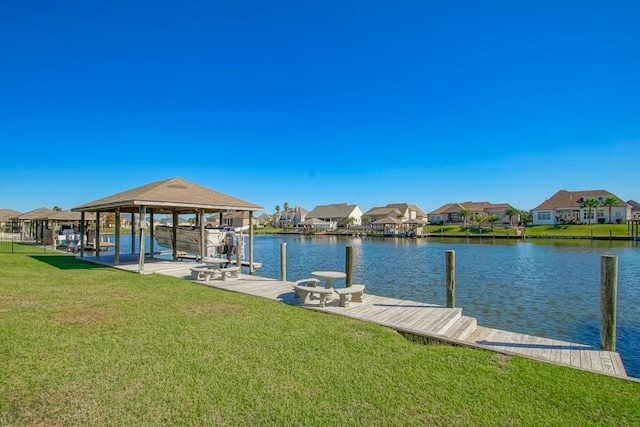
x,y
418,317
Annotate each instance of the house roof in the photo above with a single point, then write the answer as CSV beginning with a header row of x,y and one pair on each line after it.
x,y
338,210
8,214
168,194
567,199
40,213
404,207
635,206
473,207
383,211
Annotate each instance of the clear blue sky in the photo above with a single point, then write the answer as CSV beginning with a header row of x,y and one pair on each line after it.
x,y
365,102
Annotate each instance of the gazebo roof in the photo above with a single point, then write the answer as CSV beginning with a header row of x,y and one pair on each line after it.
x,y
69,216
40,213
166,195
9,214
387,220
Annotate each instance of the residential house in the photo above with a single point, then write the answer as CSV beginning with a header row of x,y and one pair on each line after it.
x,y
565,206
635,209
263,219
231,219
378,213
335,214
291,217
450,213
402,211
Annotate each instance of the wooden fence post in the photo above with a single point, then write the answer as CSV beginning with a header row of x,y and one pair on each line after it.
x,y
283,262
348,266
450,277
608,301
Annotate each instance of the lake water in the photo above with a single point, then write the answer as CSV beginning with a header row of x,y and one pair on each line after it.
x,y
548,288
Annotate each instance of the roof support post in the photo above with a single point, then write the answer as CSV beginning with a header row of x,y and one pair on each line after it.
x,y
96,243
141,224
116,256
151,232
133,232
174,235
82,234
251,269
202,242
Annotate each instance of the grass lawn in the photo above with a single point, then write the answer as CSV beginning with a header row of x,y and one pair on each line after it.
x,y
86,345
584,230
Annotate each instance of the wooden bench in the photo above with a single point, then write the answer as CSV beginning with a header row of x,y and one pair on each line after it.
x,y
304,291
229,273
352,293
312,282
203,273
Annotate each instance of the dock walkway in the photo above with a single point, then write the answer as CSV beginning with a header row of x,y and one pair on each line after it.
x,y
421,321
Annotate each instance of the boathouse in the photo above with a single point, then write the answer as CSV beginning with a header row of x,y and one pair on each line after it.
x,y
174,196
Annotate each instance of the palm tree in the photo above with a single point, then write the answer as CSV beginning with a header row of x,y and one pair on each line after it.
x,y
57,208
285,208
589,204
276,217
479,218
348,221
464,214
511,212
492,219
610,202
525,217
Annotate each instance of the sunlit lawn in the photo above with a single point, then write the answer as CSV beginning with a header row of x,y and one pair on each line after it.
x,y
83,345
582,230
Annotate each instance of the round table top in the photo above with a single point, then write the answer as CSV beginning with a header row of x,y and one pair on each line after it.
x,y
329,274
214,260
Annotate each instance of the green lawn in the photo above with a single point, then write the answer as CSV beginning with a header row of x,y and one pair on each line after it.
x,y
575,230
85,345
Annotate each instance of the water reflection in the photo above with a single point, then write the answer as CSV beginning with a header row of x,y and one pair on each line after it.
x,y
542,287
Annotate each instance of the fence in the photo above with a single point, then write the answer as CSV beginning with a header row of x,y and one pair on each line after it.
x,y
14,243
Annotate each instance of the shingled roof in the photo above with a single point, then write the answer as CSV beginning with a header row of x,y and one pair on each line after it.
x,y
168,194
8,214
566,199
40,213
336,210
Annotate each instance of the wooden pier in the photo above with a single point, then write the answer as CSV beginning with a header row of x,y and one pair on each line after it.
x,y
416,320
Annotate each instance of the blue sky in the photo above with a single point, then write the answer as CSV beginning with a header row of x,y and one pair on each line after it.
x,y
320,102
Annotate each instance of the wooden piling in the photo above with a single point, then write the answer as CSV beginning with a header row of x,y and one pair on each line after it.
x,y
450,277
608,301
348,265
283,262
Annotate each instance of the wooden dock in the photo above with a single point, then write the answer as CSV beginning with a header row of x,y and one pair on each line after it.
x,y
416,320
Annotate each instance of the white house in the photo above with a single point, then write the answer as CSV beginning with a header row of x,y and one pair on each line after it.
x,y
336,213
566,206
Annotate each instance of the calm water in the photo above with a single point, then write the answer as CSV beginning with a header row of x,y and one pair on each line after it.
x,y
548,288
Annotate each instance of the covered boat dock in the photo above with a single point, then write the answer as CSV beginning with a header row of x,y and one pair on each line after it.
x,y
174,196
